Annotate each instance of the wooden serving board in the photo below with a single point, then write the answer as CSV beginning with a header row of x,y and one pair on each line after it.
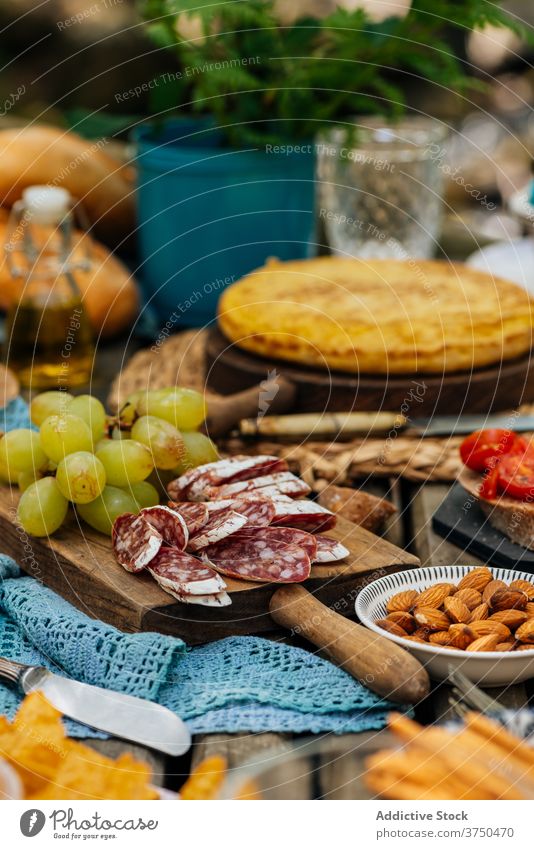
x,y
500,387
78,563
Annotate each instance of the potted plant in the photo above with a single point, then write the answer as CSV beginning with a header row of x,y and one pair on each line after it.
x,y
230,182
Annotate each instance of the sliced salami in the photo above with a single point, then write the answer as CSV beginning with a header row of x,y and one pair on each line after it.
x,y
180,572
221,525
191,484
255,560
214,600
170,525
194,513
306,515
258,511
329,550
277,538
135,542
284,482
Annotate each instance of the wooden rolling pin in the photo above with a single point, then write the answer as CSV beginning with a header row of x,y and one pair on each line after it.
x,y
276,396
377,662
323,425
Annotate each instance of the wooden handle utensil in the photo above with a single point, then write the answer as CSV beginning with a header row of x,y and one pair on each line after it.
x,y
377,662
320,425
276,396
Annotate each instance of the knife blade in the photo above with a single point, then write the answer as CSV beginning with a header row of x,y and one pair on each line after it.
x,y
460,424
119,714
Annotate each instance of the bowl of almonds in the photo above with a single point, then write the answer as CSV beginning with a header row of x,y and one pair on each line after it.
x,y
479,620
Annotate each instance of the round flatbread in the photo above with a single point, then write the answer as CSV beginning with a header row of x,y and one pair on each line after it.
x,y
378,316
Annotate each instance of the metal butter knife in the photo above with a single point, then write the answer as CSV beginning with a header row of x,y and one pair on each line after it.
x,y
131,718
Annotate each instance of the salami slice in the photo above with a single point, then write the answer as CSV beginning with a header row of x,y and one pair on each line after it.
x,y
194,513
255,560
221,525
170,525
180,572
135,542
329,550
306,515
258,511
191,484
221,599
285,483
277,538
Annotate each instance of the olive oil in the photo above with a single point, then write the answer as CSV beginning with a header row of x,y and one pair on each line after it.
x,y
50,347
49,340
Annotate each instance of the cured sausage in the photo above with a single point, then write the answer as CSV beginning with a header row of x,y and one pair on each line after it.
x,y
285,483
180,572
194,513
258,511
306,515
223,524
214,600
278,537
192,483
258,557
329,550
135,542
170,525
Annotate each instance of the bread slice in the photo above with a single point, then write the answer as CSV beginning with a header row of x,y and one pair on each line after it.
x,y
512,517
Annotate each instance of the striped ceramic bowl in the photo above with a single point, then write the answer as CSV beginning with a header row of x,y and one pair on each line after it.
x,y
489,668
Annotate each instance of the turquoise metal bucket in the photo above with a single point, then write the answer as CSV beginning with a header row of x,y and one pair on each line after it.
x,y
209,214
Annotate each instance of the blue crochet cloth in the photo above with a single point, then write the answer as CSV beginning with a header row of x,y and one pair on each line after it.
x,y
237,684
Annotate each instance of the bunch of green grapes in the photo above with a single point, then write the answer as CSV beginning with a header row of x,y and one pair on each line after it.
x,y
104,466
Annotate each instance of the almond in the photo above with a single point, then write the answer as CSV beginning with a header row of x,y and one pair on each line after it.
x,y
415,639
434,596
525,632
456,610
422,634
525,587
507,600
404,620
460,636
491,588
440,638
480,612
390,627
504,646
431,618
511,618
470,597
485,626
529,609
402,601
524,647
487,643
477,579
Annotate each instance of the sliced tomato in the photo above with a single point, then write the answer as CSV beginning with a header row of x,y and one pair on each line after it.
x,y
479,448
516,475
488,487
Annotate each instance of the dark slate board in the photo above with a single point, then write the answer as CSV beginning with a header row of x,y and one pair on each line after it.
x,y
470,529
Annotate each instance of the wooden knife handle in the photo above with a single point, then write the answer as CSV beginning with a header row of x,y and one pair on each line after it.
x,y
270,396
377,662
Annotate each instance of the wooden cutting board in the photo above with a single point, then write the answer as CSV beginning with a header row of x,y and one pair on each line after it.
x,y
78,563
504,386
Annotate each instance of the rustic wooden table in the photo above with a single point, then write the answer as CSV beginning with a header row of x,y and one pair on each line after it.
x,y
338,778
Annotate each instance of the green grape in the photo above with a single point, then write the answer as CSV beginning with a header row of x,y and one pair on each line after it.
x,y
102,512
63,435
160,479
125,461
198,449
20,451
7,475
48,404
91,411
164,441
42,508
117,433
128,411
25,479
181,407
144,493
81,477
